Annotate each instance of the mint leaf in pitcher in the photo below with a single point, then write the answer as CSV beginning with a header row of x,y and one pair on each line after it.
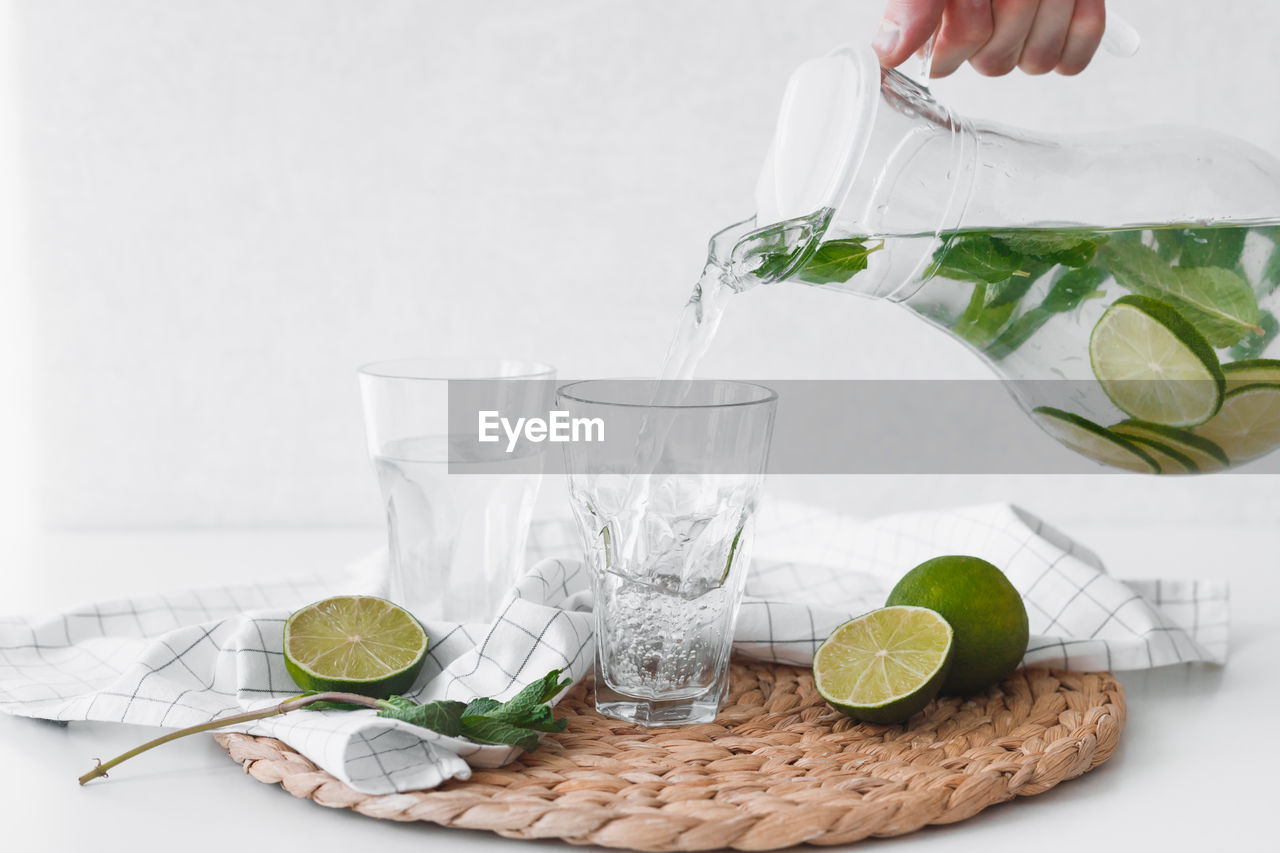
x,y
975,257
1217,301
1212,247
1255,343
836,261
1071,288
1069,248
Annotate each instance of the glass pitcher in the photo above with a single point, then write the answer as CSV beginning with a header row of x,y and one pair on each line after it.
x,y
1129,282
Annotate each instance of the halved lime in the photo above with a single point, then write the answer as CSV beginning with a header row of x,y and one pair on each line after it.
x,y
354,644
885,665
1204,453
1252,371
1154,365
1248,425
1096,442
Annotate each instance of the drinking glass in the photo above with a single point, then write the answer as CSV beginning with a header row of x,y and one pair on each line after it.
x,y
665,508
458,511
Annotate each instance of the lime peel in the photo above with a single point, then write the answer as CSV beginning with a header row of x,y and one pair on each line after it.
x,y
983,608
1094,441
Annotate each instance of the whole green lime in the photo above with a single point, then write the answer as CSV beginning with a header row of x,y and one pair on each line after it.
x,y
982,607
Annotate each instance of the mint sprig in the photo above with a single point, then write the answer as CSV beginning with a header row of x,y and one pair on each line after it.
x,y
516,722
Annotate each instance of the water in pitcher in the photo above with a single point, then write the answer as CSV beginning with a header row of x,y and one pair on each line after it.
x,y
1167,334
455,540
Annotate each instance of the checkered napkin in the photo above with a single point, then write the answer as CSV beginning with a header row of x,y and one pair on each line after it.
x,y
181,659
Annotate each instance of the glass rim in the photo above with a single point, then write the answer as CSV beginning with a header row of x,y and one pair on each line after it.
x,y
426,369
769,395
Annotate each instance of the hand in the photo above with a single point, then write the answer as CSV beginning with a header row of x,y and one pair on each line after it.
x,y
995,36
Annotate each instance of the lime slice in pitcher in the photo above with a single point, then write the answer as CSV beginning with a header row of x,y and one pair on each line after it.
x,y
1170,459
354,644
1154,365
1096,442
1206,455
1253,371
1248,424
885,665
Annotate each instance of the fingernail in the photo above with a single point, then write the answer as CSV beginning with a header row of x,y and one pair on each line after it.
x,y
887,38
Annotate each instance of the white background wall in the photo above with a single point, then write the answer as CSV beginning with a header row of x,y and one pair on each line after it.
x,y
226,206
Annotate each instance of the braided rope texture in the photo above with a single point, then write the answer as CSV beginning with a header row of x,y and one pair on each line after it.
x,y
778,767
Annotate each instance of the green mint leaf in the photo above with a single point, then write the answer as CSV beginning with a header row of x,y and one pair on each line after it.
x,y
974,257
541,719
980,321
779,247
1019,332
836,261
1139,268
1212,247
773,265
1069,248
988,324
536,693
1218,302
1072,288
443,716
1169,242
490,730
480,707
1270,279
1254,343
1016,286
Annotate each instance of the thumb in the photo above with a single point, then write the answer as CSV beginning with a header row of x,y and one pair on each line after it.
x,y
905,27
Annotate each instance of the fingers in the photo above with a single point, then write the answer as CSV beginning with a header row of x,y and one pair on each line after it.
x,y
1042,50
966,27
1013,20
904,28
994,36
1088,20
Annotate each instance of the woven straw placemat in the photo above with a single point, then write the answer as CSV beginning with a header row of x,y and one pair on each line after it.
x,y
778,767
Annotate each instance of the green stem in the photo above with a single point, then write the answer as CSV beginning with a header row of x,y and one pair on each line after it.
x,y
291,704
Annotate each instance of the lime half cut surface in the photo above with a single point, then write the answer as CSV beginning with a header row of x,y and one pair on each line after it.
x,y
1096,442
1154,365
354,644
1248,424
885,665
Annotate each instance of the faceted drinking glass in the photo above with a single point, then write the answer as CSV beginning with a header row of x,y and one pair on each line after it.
x,y
458,512
665,508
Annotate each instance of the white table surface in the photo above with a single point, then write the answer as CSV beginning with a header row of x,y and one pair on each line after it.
x,y
1193,769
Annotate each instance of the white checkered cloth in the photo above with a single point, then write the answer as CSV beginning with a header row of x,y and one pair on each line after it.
x,y
185,658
